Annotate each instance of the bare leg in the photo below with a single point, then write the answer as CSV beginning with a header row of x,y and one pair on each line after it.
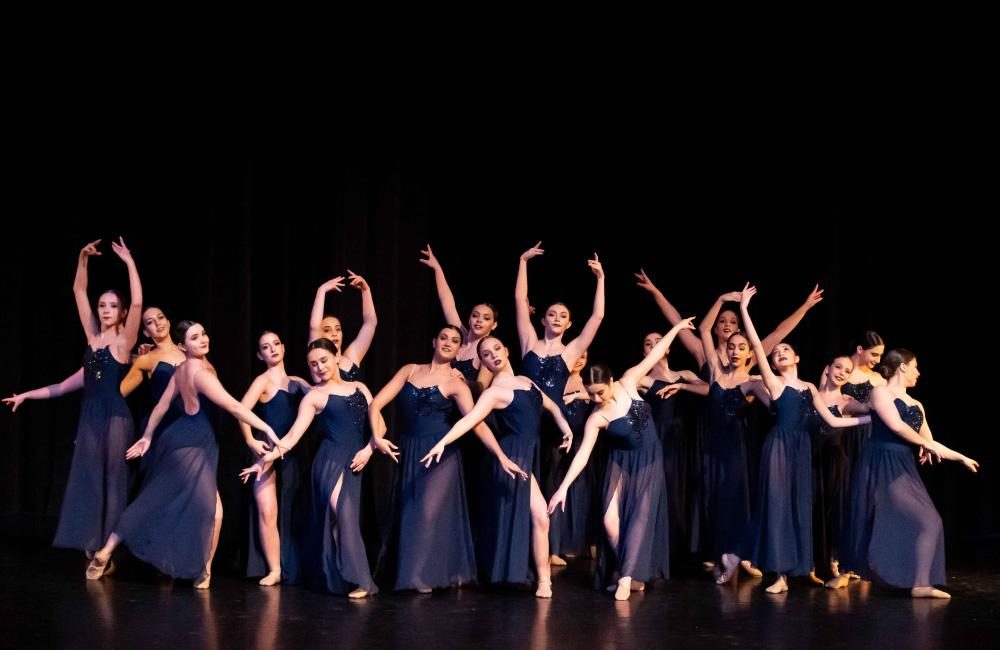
x,y
266,494
730,563
540,541
206,577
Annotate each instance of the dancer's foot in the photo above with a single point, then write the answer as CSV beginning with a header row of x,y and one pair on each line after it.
x,y
624,589
204,581
928,592
270,579
730,563
98,566
834,568
555,560
544,589
423,590
813,578
751,569
358,593
780,586
839,582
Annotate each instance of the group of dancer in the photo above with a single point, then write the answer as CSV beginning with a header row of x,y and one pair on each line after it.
x,y
581,460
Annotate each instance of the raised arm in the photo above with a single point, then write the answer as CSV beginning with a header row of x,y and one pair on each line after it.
x,y
771,382
786,326
526,335
447,298
590,431
319,306
705,333
635,374
358,348
578,346
68,385
689,340
87,318
134,316
208,384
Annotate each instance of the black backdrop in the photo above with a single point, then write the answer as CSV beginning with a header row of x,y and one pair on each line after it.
x,y
240,240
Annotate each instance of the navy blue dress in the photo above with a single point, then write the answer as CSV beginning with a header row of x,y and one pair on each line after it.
x,y
550,374
354,374
467,368
333,556
670,431
831,484
433,539
635,472
171,521
893,532
280,412
504,549
855,438
726,481
780,537
570,531
97,487
159,379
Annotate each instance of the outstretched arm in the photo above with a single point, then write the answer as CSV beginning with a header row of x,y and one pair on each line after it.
x,y
882,402
689,340
141,445
786,326
490,399
207,383
319,306
250,399
358,348
590,431
579,345
463,398
68,385
557,415
705,333
526,335
829,418
87,319
447,298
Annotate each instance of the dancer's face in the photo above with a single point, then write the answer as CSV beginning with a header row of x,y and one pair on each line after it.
x,y
196,341
726,324
783,356
155,324
650,342
493,354
840,371
482,321
270,349
329,329
870,356
738,348
447,343
599,393
323,364
109,310
556,319
580,363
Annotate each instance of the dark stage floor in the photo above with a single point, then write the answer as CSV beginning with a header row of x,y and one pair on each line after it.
x,y
46,602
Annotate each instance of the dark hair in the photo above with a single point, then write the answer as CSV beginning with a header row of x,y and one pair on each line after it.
x,y
323,344
558,302
892,360
496,313
448,326
870,339
181,328
597,373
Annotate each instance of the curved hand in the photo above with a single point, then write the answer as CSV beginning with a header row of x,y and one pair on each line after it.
x,y
387,448
431,261
558,499
567,441
668,391
121,250
747,293
144,348
90,249
534,251
14,401
595,266
357,281
258,447
642,280
970,464
815,297
256,468
140,448
732,296
333,285
433,456
361,458
512,469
